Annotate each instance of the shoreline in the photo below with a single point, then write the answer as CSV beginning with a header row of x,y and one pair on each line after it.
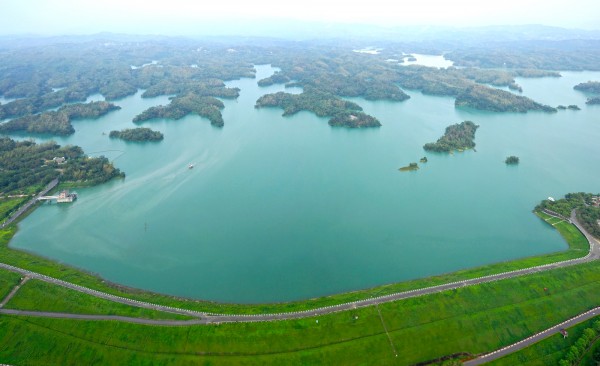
x,y
95,282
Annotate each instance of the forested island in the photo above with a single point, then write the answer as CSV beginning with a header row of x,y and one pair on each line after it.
x,y
589,87
56,75
410,167
323,104
459,136
496,100
276,78
181,106
59,122
586,204
137,134
25,164
593,101
512,160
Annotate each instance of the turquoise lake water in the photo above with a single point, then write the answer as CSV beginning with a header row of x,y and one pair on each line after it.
x,y
283,208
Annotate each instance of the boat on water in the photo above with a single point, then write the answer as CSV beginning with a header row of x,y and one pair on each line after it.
x,y
191,166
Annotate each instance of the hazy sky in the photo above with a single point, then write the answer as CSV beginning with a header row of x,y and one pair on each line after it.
x,y
190,17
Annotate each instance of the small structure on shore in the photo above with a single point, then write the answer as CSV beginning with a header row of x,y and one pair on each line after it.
x,y
66,197
63,197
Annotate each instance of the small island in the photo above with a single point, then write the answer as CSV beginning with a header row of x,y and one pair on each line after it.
x,y
138,134
277,78
574,107
512,160
561,107
410,167
458,137
423,159
589,87
593,101
354,120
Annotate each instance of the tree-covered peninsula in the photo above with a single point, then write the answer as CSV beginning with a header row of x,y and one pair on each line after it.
x,y
586,204
25,164
589,87
58,122
138,134
495,100
323,104
459,136
181,106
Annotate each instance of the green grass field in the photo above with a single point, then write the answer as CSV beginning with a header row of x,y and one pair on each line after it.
x,y
42,296
578,247
8,280
474,319
547,352
7,205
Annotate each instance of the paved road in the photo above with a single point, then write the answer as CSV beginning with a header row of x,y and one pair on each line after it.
x,y
13,292
99,294
45,314
31,202
533,339
208,318
593,254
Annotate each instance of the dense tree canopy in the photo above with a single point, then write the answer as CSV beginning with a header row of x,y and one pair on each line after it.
x,y
25,163
459,136
588,211
495,100
181,106
59,122
593,101
137,134
323,104
590,87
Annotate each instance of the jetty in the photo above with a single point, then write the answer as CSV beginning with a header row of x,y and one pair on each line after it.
x,y
63,197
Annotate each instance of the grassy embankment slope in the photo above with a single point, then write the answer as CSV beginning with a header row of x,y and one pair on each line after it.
x,y
474,319
577,248
547,352
41,296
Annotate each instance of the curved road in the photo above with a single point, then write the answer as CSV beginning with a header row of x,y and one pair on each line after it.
x,y
46,314
208,318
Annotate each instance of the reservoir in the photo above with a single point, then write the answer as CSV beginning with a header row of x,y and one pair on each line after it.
x,y
284,208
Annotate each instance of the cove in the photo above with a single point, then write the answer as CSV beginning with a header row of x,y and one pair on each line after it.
x,y
285,208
